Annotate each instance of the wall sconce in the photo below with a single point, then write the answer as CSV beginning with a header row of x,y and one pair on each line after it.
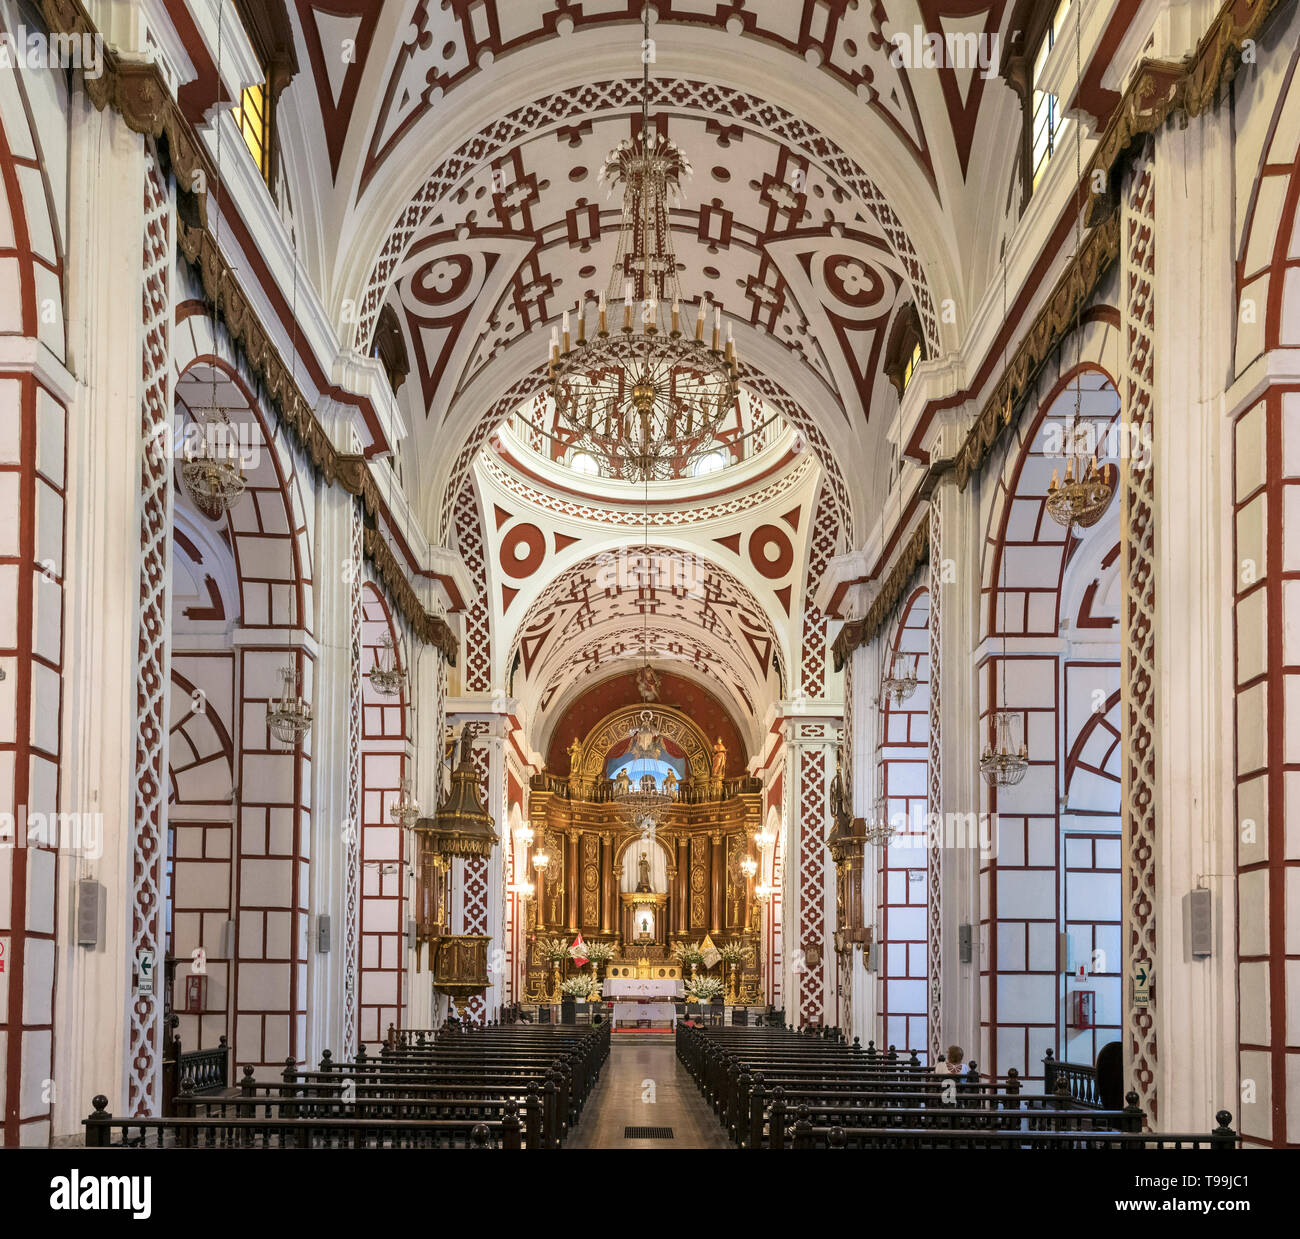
x,y
749,866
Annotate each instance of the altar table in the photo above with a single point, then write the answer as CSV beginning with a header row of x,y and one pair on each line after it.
x,y
648,987
656,1012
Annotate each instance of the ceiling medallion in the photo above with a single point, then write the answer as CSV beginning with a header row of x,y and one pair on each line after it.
x,y
647,399
640,796
1004,763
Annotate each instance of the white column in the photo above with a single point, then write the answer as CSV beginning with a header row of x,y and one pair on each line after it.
x,y
1196,1030
428,726
954,614
862,684
336,818
101,585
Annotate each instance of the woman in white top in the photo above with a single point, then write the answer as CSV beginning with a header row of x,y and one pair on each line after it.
x,y
952,1064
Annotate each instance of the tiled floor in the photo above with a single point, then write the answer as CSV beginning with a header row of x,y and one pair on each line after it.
x,y
643,1085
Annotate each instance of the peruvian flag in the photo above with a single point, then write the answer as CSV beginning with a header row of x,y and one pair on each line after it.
x,y
576,951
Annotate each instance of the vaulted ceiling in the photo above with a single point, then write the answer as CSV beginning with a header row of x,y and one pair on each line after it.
x,y
455,148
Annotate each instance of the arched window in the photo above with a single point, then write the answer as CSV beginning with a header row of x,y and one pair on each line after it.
x,y
710,462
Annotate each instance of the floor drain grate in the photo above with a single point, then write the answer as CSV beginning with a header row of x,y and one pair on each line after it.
x,y
647,1133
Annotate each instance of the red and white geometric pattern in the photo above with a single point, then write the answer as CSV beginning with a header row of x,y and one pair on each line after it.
x,y
352,580
478,633
825,536
812,879
678,95
152,678
475,892
661,516
934,772
1138,625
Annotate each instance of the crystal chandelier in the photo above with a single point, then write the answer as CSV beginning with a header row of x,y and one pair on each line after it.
x,y
765,839
386,677
289,719
880,830
210,473
405,809
1004,763
1082,498
899,687
763,892
640,798
749,866
647,399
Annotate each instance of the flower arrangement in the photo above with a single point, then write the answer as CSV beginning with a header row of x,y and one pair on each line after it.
x,y
704,989
733,953
553,950
580,987
600,952
688,953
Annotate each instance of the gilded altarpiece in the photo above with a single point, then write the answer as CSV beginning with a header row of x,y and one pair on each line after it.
x,y
587,887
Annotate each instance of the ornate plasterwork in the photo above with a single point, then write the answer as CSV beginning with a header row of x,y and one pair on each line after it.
x,y
722,103
1157,91
138,92
856,632
1138,629
153,648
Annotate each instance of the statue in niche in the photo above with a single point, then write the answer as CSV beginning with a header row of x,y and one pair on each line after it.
x,y
647,684
838,812
643,874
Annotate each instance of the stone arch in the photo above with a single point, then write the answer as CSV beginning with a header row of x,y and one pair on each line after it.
x,y
1050,872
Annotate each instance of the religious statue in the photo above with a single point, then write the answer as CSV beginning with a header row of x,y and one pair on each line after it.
x,y
575,757
838,812
643,874
622,784
719,759
647,684
670,785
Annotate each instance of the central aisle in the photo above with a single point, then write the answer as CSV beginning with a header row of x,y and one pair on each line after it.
x,y
643,1085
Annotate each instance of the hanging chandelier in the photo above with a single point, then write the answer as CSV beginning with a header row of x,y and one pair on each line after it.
x,y
289,719
1004,763
386,676
899,687
405,809
210,472
1083,497
648,398
640,796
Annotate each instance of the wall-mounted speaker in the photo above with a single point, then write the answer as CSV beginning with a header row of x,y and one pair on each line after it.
x,y
1198,923
90,907
965,951
323,933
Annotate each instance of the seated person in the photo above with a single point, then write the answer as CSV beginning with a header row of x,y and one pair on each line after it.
x,y
951,1064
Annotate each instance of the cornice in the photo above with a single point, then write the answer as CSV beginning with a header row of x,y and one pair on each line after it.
x,y
137,90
